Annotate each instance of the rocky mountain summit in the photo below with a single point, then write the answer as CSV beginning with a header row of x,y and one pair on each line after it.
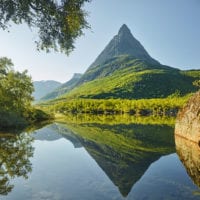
x,y
123,43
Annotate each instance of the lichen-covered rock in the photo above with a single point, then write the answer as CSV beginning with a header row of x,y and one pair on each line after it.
x,y
188,120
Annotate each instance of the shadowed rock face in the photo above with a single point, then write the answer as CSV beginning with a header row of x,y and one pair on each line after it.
x,y
189,154
188,120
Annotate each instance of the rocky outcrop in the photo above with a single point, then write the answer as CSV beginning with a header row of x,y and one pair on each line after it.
x,y
188,120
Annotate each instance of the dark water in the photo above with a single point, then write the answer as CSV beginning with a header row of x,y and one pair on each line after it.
x,y
97,161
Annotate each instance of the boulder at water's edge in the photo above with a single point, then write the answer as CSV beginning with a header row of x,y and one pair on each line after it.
x,y
188,120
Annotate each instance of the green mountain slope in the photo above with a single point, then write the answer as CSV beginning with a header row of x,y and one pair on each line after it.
x,y
128,78
64,88
44,87
125,70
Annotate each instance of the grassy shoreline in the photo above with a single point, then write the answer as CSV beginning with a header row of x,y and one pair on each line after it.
x,y
160,107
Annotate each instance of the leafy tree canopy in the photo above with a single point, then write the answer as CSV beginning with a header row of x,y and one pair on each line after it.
x,y
15,88
59,22
5,66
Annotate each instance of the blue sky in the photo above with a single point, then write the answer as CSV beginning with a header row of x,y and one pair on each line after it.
x,y
168,29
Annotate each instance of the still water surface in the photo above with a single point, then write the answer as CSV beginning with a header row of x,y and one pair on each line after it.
x,y
91,161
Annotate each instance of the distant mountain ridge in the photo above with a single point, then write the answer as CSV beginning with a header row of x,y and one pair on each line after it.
x,y
64,88
44,87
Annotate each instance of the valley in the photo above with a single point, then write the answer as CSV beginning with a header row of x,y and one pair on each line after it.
x,y
124,78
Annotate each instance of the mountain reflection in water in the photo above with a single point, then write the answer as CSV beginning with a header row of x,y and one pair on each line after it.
x,y
106,161
124,152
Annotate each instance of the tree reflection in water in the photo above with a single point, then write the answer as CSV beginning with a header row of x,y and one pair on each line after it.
x,y
15,152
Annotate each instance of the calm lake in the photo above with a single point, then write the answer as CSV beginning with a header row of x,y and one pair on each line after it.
x,y
98,161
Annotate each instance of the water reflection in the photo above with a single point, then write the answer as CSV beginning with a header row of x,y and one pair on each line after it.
x,y
106,161
66,133
189,154
124,152
15,153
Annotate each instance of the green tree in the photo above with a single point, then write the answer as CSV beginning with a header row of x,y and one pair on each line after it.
x,y
17,90
58,23
15,93
5,66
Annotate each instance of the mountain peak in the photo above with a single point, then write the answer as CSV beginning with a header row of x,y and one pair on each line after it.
x,y
124,33
124,29
123,44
